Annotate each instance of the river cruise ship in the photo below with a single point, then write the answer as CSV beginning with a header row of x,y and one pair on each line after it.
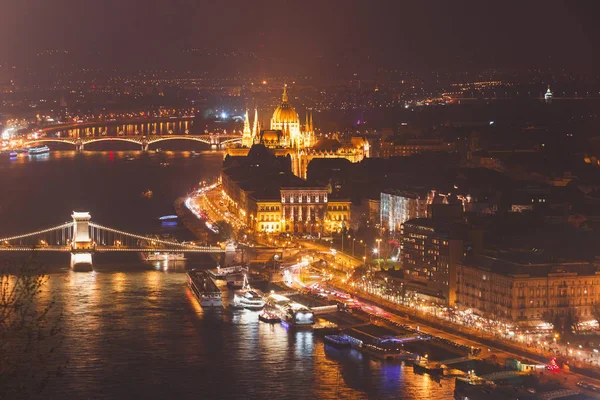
x,y
205,290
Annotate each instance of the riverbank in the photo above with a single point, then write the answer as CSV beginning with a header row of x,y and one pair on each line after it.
x,y
191,222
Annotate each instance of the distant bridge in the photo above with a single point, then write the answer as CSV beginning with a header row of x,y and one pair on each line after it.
x,y
215,140
82,238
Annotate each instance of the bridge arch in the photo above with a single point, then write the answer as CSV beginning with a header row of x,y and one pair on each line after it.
x,y
111,139
55,140
234,140
156,139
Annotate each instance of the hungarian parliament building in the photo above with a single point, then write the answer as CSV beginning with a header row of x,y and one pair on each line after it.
x,y
287,137
264,180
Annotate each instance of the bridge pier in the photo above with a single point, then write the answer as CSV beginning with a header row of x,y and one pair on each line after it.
x,y
144,145
81,244
79,145
81,261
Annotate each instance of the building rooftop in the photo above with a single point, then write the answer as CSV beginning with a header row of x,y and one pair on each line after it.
x,y
529,264
441,226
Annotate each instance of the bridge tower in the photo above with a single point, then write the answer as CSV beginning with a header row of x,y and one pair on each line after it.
x,y
81,243
79,144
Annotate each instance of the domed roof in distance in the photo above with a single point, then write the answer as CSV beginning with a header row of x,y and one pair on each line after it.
x,y
285,113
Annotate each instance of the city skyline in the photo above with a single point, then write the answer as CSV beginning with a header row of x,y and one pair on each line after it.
x,y
303,200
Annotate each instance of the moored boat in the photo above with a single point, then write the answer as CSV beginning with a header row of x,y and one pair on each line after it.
x,y
269,317
220,273
163,256
423,365
205,290
340,341
235,281
248,298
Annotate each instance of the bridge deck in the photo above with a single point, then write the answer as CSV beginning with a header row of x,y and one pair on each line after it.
x,y
102,249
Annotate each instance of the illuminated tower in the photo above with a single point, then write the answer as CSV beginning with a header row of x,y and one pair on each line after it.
x,y
285,119
246,134
256,127
309,131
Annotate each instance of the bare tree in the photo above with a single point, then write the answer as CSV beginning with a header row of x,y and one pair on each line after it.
x,y
30,331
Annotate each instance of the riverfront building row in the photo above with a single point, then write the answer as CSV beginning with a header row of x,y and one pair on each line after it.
x,y
268,197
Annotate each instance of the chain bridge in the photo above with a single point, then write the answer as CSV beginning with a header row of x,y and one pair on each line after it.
x,y
82,238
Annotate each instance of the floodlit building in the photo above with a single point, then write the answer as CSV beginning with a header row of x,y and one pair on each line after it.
x,y
263,192
431,248
287,136
398,206
526,287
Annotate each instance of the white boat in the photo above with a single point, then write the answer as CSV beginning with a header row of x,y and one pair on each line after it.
x,y
548,94
161,256
248,298
39,150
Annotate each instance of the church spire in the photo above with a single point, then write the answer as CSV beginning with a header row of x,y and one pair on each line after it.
x,y
311,121
246,123
246,134
255,130
284,98
306,124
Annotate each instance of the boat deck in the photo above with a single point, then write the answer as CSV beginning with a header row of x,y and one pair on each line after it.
x,y
203,282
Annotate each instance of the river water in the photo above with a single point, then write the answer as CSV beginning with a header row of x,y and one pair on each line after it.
x,y
135,331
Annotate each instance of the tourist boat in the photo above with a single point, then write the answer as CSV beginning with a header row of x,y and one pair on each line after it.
x,y
13,154
548,95
268,317
195,153
164,164
130,158
248,298
161,256
292,314
147,194
205,290
340,341
157,150
34,151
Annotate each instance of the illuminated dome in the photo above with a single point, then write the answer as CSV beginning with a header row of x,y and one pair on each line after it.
x,y
285,113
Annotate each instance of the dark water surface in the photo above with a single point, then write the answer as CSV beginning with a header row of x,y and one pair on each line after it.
x,y
135,331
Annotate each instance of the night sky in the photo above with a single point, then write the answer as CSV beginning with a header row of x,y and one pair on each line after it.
x,y
431,35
